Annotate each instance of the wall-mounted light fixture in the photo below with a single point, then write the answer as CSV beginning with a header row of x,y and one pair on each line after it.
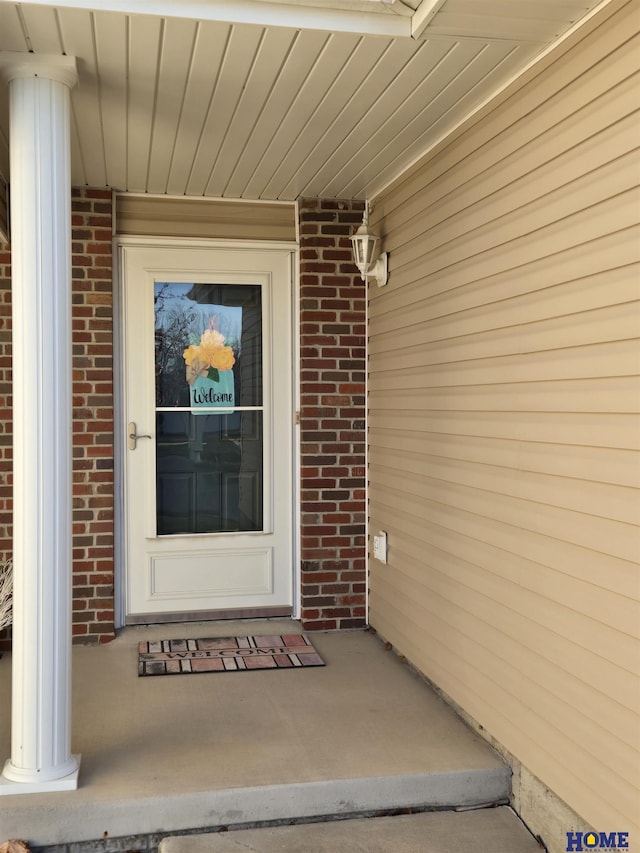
x,y
364,245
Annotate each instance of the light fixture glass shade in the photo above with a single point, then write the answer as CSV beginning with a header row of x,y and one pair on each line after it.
x,y
364,249
365,246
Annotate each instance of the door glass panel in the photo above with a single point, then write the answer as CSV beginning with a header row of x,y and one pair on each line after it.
x,y
209,418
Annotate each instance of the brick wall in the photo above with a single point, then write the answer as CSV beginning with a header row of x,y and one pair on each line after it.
x,y
333,340
93,491
93,485
332,417
6,424
6,454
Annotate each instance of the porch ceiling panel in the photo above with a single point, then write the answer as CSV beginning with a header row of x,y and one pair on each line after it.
x,y
183,104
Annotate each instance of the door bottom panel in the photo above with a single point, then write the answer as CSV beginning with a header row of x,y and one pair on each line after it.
x,y
176,575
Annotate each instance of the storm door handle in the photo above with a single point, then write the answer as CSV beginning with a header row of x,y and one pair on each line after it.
x,y
133,436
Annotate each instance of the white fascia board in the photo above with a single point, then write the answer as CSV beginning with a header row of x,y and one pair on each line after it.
x,y
248,12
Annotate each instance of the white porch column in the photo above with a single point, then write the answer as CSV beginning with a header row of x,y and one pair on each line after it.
x,y
40,193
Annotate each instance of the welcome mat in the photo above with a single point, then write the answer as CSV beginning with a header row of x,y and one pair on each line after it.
x,y
226,654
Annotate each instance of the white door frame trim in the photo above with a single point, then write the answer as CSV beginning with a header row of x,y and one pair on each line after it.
x,y
121,242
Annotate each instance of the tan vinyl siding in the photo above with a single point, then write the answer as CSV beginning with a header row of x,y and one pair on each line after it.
x,y
503,413
163,216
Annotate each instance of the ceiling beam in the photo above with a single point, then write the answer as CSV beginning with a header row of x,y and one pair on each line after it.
x,y
423,16
258,12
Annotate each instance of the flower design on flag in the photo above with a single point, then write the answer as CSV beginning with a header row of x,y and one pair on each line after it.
x,y
208,357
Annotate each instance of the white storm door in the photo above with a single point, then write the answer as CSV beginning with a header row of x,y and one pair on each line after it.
x,y
208,419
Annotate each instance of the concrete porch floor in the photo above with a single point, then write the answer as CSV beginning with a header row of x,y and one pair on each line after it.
x,y
169,754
